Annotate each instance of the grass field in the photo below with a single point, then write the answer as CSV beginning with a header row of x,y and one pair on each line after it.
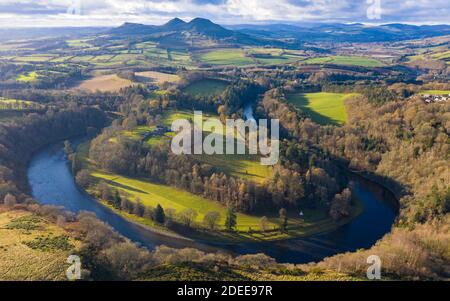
x,y
323,108
435,92
16,104
273,56
232,57
153,194
33,59
241,166
80,43
105,83
29,77
165,57
28,250
442,55
345,60
206,87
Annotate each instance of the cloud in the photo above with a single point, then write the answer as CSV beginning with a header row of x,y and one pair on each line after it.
x,y
115,12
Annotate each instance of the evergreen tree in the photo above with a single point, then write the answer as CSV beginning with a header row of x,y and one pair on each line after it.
x,y
231,218
158,215
117,200
283,219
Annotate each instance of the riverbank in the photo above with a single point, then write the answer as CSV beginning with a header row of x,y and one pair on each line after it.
x,y
52,183
248,227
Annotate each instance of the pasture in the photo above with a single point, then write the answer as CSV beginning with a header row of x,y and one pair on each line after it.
x,y
323,108
240,166
273,56
248,226
227,57
206,88
16,104
346,60
152,194
29,77
435,92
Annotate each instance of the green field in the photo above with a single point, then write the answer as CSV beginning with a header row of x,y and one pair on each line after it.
x,y
206,88
232,57
346,60
29,77
33,58
442,55
435,92
81,43
165,57
241,166
153,194
16,104
273,56
323,108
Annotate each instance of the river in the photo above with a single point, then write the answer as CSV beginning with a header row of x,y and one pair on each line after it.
x,y
52,183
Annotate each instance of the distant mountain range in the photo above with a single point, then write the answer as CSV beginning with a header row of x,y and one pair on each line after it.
x,y
344,32
200,32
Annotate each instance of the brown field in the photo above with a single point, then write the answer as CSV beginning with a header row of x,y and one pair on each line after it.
x,y
105,83
157,77
18,261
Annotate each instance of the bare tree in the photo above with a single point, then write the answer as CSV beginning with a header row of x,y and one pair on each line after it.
x,y
188,216
211,219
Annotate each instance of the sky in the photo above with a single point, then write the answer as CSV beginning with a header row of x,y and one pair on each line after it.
x,y
56,13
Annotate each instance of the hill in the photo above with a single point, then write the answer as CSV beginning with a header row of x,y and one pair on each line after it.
x,y
176,32
336,32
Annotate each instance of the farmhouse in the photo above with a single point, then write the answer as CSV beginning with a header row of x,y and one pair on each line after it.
x,y
427,98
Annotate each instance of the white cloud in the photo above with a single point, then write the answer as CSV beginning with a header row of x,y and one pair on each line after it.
x,y
115,12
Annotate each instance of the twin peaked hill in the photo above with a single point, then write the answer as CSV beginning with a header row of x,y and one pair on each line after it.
x,y
177,32
204,33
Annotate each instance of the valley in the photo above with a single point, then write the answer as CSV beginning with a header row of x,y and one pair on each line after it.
x,y
87,165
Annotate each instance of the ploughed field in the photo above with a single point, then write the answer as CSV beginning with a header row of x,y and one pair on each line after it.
x,y
105,83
